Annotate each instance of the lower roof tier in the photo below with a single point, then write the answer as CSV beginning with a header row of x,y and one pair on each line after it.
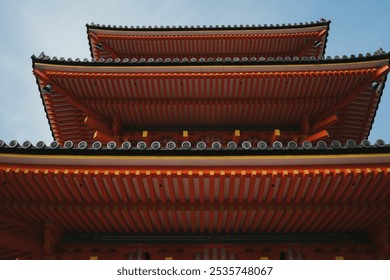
x,y
297,40
114,100
51,199
246,194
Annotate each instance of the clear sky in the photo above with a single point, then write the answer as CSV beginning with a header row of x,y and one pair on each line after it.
x,y
58,29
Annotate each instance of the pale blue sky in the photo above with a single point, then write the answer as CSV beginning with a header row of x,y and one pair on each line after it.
x,y
58,28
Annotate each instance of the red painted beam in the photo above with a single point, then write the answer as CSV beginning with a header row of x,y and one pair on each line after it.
x,y
332,119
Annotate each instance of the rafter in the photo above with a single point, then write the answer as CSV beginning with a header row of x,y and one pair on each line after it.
x,y
98,125
105,47
70,98
323,134
351,95
322,124
234,205
310,44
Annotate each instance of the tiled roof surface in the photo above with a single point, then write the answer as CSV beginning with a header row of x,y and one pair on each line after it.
x,y
211,61
99,85
208,27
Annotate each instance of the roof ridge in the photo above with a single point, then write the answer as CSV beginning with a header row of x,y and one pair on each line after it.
x,y
379,54
322,21
261,146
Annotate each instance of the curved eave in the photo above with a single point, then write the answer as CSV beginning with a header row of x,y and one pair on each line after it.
x,y
179,159
43,102
379,101
322,22
364,66
247,29
44,59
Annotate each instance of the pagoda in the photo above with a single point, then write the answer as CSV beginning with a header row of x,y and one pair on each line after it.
x,y
202,142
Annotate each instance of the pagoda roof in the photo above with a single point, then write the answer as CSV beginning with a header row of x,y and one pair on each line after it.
x,y
198,94
133,195
263,149
303,39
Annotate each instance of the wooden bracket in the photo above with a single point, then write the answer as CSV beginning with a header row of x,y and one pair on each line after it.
x,y
104,138
311,42
106,47
351,95
323,134
237,134
70,98
99,125
146,137
275,136
332,119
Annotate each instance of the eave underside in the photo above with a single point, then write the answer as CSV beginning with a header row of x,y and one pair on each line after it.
x,y
204,200
299,100
154,43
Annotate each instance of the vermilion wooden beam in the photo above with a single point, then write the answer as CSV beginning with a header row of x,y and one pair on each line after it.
x,y
381,195
180,186
138,220
201,187
377,179
332,119
310,44
202,221
275,136
191,187
150,186
271,187
104,138
193,221
211,193
237,134
326,180
282,186
219,221
140,186
222,187
67,95
253,178
183,219
231,183
351,95
99,125
312,187
323,134
302,186
175,221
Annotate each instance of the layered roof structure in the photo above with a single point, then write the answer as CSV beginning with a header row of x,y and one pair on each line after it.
x,y
198,142
264,94
304,39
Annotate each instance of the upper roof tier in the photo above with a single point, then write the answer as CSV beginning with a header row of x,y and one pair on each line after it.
x,y
304,99
308,39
